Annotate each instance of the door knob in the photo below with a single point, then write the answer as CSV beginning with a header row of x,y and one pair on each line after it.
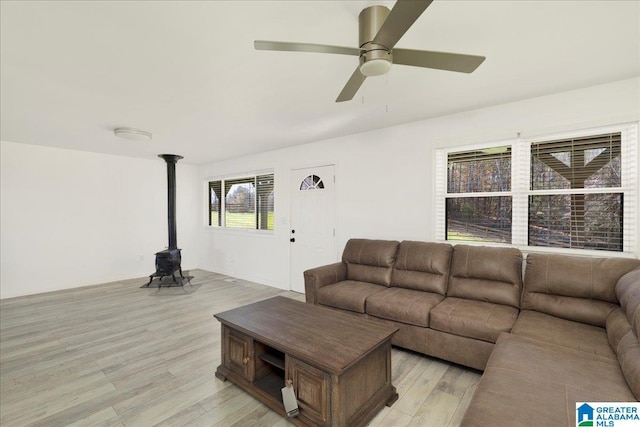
x,y
293,239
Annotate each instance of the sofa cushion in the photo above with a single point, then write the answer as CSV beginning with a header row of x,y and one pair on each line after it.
x,y
486,274
528,382
473,319
560,365
403,305
617,327
562,332
370,260
574,288
628,293
348,295
422,266
507,398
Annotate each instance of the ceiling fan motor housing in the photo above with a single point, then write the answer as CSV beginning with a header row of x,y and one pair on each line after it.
x,y
370,20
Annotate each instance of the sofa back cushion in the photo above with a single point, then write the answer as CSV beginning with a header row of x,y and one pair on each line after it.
x,y
370,260
623,325
423,266
572,287
486,274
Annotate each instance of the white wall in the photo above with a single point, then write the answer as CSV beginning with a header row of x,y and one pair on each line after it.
x,y
71,218
394,165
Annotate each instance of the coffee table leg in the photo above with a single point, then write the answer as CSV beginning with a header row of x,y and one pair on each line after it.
x,y
223,378
393,398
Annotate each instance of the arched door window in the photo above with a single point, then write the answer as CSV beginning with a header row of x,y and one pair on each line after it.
x,y
312,182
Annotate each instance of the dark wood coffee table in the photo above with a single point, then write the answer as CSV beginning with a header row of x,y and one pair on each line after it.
x,y
339,364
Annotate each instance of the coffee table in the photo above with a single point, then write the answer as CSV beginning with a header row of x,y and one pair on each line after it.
x,y
338,364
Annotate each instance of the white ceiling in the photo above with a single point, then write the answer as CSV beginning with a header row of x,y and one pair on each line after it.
x,y
73,71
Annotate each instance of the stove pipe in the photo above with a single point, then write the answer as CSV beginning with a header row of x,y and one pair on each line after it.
x,y
171,160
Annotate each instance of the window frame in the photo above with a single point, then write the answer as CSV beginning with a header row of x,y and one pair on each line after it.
x,y
223,184
521,189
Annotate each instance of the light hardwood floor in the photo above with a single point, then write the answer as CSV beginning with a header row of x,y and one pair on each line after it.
x,y
118,355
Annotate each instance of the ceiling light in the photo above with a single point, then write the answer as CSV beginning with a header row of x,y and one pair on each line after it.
x,y
132,134
375,67
375,60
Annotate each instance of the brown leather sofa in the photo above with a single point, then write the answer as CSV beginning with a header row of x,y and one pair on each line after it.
x,y
570,335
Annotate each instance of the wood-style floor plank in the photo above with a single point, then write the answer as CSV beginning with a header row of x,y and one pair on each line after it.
x,y
115,355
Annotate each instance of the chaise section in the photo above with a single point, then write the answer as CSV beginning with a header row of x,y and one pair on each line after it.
x,y
573,343
528,382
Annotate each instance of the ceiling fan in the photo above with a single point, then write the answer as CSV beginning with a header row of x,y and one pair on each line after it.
x,y
380,29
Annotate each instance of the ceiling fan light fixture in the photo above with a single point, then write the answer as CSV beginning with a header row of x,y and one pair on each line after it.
x,y
374,60
375,67
132,134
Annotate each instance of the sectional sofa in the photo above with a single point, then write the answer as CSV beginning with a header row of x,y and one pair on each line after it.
x,y
567,333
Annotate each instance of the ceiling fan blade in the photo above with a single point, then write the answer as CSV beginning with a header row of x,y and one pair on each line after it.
x,y
352,86
304,47
401,17
439,60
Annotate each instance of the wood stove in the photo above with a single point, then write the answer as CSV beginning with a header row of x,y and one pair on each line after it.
x,y
168,261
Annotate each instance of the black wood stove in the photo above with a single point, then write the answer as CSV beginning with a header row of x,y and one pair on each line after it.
x,y
168,261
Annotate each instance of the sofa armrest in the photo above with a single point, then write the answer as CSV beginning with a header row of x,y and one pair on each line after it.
x,y
318,277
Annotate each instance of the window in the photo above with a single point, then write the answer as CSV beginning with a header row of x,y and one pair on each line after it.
x,y
574,191
478,206
242,203
312,182
576,199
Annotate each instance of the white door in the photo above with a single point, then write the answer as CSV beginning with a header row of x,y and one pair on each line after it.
x,y
312,233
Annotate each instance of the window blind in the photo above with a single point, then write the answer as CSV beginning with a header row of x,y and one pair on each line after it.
x,y
265,202
575,199
215,203
478,203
